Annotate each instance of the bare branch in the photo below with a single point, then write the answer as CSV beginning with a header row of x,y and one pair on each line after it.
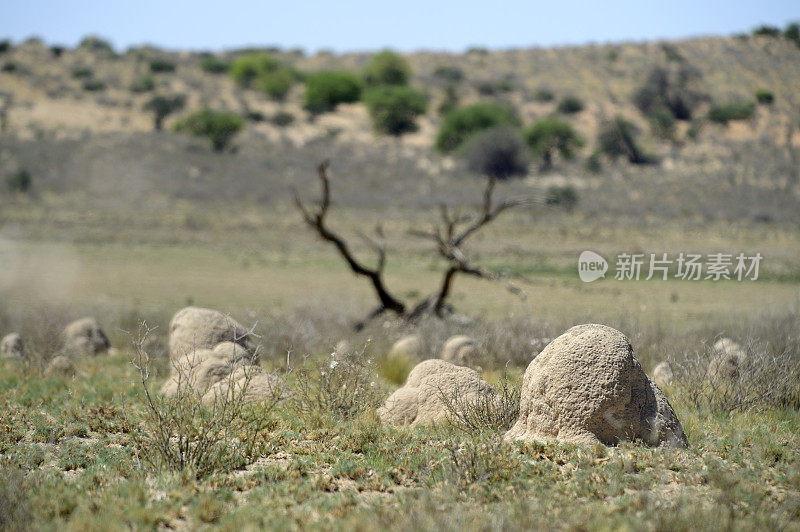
x,y
316,220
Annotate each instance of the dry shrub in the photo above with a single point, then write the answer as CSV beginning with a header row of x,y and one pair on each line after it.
x,y
765,378
480,461
342,385
15,508
40,327
475,413
769,376
181,433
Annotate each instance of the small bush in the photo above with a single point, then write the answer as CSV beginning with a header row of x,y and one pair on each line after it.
x,y
792,32
593,163
480,462
476,413
544,95
672,53
214,65
492,87
387,68
264,72
160,65
675,89
181,433
765,97
767,377
218,126
15,506
143,84
498,153
163,106
57,50
570,105
549,136
254,116
464,122
722,114
662,123
245,69
9,66
19,181
326,90
766,30
562,196
617,138
342,386
282,118
82,73
5,45
449,101
394,109
276,84
94,85
96,44
449,74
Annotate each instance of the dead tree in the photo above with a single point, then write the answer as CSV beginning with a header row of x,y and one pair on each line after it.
x,y
448,237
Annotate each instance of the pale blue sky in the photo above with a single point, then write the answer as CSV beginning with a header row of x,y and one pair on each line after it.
x,y
373,24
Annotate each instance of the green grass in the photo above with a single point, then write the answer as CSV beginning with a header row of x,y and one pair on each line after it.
x,y
73,438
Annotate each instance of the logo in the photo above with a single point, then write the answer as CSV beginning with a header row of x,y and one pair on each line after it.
x,y
591,266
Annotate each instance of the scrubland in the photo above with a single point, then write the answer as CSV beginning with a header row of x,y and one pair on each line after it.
x,y
130,225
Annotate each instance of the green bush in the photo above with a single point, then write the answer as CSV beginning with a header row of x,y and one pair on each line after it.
x,y
160,65
143,84
549,136
218,126
262,71
570,105
449,74
82,73
214,65
276,84
498,153
387,68
463,122
57,50
5,45
19,181
767,31
245,69
675,89
792,33
617,138
9,66
765,97
163,106
254,116
282,118
593,163
449,101
394,109
96,44
724,113
662,123
94,85
326,90
562,196
544,95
